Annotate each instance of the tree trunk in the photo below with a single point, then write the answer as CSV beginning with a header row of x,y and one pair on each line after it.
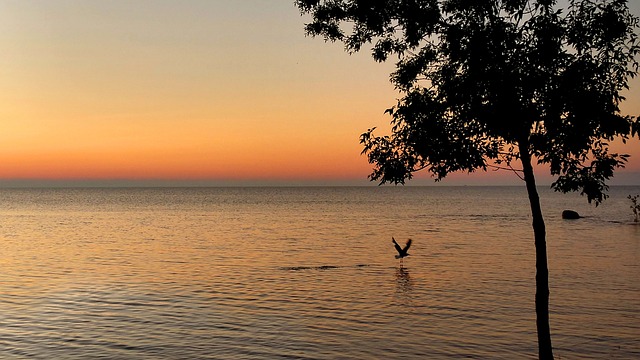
x,y
545,351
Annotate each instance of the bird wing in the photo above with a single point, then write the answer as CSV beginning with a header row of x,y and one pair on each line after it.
x,y
395,244
407,246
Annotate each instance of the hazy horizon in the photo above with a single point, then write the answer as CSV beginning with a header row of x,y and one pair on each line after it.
x,y
467,180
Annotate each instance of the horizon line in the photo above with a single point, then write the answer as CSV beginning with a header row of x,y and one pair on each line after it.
x,y
167,183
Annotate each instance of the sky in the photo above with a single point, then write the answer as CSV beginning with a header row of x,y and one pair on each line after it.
x,y
203,92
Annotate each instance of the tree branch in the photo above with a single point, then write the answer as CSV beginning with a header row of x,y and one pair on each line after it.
x,y
509,168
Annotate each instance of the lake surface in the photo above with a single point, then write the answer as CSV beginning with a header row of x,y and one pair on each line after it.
x,y
310,273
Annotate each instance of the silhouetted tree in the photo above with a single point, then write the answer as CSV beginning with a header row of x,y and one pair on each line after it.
x,y
490,83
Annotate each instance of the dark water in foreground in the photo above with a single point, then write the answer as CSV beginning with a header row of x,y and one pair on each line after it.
x,y
309,273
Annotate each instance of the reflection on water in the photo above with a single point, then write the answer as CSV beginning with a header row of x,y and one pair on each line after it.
x,y
403,280
404,288
309,273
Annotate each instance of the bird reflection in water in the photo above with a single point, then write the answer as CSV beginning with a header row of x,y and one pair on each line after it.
x,y
404,284
403,281
404,294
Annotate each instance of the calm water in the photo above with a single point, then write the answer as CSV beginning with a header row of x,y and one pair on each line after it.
x,y
309,273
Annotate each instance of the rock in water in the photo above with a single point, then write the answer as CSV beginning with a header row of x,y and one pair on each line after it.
x,y
570,214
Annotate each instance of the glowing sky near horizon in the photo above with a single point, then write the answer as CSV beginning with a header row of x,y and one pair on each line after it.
x,y
159,89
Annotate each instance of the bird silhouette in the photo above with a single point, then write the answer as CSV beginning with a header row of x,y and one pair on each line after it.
x,y
402,252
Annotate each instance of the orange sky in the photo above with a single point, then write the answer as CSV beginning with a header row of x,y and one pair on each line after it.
x,y
228,90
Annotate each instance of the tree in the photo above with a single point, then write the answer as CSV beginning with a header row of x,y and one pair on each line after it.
x,y
488,84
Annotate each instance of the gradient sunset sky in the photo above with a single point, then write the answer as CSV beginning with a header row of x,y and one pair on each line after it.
x,y
225,90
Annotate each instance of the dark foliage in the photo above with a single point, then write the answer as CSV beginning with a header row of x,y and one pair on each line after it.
x,y
481,77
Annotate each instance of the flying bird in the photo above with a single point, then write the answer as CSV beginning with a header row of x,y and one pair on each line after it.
x,y
402,252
